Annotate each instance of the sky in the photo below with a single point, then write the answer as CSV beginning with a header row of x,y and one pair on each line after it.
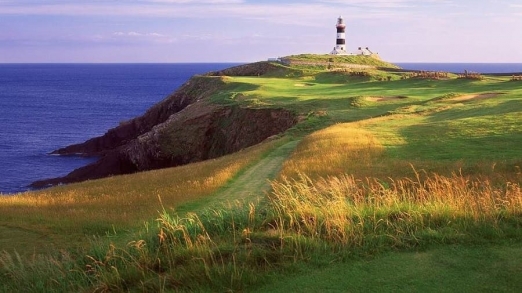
x,y
166,31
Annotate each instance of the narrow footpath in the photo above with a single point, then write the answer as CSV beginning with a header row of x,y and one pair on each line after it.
x,y
254,181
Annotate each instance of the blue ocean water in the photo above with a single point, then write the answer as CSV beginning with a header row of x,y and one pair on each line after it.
x,y
44,107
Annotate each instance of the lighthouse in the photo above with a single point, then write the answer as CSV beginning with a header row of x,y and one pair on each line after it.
x,y
340,44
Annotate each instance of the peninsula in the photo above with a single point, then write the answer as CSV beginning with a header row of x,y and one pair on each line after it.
x,y
211,115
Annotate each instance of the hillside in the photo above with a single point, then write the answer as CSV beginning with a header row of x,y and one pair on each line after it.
x,y
184,128
348,61
188,126
356,179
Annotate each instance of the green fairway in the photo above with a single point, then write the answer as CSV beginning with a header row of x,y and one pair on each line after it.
x,y
346,98
491,268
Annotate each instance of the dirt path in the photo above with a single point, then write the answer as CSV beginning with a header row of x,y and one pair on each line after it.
x,y
253,182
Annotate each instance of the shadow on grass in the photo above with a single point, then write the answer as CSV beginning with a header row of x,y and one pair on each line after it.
x,y
487,268
502,108
464,134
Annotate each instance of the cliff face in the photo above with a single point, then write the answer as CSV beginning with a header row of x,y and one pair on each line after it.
x,y
197,88
183,128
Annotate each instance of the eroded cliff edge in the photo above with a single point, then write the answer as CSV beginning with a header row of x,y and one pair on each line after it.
x,y
185,127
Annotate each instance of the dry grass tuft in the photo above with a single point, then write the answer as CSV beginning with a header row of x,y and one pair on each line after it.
x,y
345,210
334,150
475,97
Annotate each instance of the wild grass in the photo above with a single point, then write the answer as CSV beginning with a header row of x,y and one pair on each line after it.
x,y
342,148
423,173
120,203
350,59
235,247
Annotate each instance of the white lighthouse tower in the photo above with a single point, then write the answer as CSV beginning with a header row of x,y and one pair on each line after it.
x,y
340,45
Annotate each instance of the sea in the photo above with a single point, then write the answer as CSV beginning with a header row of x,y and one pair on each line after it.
x,y
44,107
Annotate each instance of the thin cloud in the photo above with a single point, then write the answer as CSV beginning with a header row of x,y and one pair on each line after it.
x,y
306,13
297,13
196,1
137,34
134,37
373,3
388,3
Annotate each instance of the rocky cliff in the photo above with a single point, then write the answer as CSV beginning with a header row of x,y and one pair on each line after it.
x,y
183,128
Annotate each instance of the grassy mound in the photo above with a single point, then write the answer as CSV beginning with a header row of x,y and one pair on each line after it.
x,y
340,59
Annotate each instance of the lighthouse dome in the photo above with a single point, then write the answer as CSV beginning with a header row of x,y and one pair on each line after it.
x,y
340,22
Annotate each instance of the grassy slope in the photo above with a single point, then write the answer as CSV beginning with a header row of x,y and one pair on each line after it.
x,y
433,134
63,216
351,59
452,268
475,136
250,184
422,128
426,130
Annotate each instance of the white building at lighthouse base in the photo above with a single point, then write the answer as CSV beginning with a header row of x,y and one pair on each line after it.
x,y
340,51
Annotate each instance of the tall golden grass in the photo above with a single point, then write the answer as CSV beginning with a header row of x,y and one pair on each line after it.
x,y
227,248
340,184
346,210
335,192
337,149
121,202
335,209
354,148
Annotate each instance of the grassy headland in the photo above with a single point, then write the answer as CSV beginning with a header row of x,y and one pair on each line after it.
x,y
389,171
339,60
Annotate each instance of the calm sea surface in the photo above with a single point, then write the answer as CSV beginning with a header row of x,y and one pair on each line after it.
x,y
44,107
47,106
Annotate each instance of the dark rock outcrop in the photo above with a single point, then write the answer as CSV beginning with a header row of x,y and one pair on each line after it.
x,y
195,89
183,128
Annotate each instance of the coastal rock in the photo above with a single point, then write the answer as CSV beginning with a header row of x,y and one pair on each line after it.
x,y
195,89
184,128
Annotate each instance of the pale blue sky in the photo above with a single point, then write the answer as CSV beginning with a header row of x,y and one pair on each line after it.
x,y
252,30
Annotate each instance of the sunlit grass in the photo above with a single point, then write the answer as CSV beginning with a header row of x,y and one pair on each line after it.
x,y
120,202
405,174
234,247
407,212
336,149
351,59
